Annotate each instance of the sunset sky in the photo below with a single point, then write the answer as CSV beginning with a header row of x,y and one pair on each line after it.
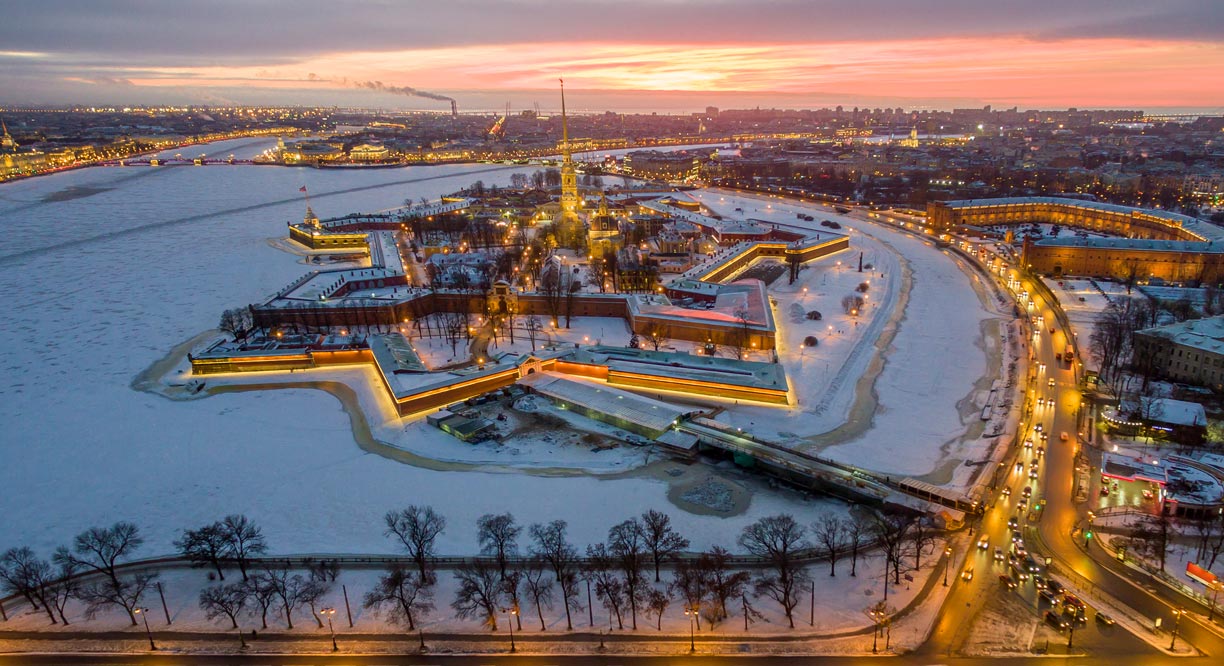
x,y
688,53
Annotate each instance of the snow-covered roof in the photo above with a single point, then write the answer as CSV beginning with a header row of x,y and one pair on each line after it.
x,y
1192,224
1204,334
1149,244
615,403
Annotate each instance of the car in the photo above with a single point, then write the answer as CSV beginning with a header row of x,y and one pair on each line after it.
x,y
1007,492
1063,436
1039,427
1048,597
1054,586
1016,537
1040,451
1031,564
998,554
1072,600
967,574
1040,402
1039,582
1019,466
1022,504
1027,492
984,543
1028,443
1105,619
1050,383
1055,620
1105,490
1051,329
1033,473
1045,437
1013,522
1041,367
1075,614
1007,581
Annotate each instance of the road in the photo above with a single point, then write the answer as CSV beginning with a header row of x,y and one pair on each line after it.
x,y
1057,530
566,660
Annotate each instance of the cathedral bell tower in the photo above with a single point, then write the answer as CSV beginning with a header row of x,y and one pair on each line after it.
x,y
569,175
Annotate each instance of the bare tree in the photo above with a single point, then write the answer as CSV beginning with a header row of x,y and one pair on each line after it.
x,y
689,583
857,531
288,588
206,546
26,574
417,528
245,541
830,536
723,583
921,535
538,586
224,600
627,545
498,535
551,546
600,569
99,549
533,326
311,593
404,593
852,304
662,540
776,539
262,594
61,588
891,531
479,594
657,602
656,335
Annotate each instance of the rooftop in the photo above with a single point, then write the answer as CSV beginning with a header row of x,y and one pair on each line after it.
x,y
1205,334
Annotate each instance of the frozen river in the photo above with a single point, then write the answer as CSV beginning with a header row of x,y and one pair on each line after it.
x,y
104,270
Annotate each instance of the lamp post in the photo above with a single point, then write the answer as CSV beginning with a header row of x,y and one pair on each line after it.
x,y
1214,586
510,613
691,612
329,612
144,615
947,563
875,634
1176,624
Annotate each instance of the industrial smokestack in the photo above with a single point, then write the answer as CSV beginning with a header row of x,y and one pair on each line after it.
x,y
405,90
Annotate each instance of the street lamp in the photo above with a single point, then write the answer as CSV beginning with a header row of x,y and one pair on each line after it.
x,y
510,613
691,612
1214,586
329,612
947,563
1176,624
875,634
144,615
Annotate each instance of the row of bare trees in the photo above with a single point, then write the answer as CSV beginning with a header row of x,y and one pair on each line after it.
x,y
624,574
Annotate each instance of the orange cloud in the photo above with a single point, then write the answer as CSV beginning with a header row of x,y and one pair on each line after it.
x,y
1086,72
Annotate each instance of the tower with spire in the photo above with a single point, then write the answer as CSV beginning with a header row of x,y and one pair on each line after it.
x,y
6,141
569,174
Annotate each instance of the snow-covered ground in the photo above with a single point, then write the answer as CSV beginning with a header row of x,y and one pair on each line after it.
x,y
102,286
841,602
929,388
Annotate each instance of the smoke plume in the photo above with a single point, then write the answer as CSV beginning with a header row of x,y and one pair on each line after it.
x,y
401,90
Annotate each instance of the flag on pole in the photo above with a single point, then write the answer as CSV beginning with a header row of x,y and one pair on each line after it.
x,y
302,189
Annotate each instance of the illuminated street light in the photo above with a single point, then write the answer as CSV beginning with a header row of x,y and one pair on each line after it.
x,y
510,613
329,612
1177,614
691,612
947,563
144,615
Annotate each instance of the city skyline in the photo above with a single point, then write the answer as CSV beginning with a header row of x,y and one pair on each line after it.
x,y
686,54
